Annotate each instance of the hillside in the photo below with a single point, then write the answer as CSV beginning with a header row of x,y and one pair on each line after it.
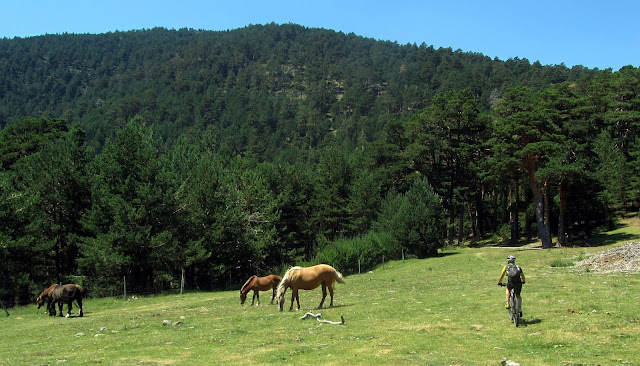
x,y
262,89
158,152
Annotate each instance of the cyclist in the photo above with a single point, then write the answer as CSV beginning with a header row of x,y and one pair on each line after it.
x,y
515,279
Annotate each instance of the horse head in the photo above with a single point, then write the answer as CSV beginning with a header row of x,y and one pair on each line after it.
x,y
243,297
282,288
40,301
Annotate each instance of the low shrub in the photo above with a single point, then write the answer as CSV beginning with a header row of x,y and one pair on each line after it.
x,y
348,255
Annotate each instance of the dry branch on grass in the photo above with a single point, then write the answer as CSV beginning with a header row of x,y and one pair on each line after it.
x,y
319,316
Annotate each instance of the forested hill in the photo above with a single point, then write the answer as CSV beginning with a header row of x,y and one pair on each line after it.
x,y
271,90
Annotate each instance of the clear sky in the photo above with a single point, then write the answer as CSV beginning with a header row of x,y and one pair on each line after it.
x,y
602,34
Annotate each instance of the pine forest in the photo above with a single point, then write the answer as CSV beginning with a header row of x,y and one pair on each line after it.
x,y
152,153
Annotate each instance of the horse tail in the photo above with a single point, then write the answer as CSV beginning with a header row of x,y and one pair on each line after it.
x,y
276,281
282,286
82,292
246,284
338,276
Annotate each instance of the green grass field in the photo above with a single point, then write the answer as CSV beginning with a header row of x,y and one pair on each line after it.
x,y
439,311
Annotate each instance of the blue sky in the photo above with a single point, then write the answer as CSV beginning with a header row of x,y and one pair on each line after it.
x,y
602,34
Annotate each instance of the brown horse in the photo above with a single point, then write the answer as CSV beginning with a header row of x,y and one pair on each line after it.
x,y
308,278
66,294
258,284
45,297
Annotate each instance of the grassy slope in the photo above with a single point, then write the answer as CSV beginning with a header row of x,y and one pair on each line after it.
x,y
439,311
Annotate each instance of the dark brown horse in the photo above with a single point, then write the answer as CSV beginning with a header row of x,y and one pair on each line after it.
x,y
308,278
258,284
45,297
66,294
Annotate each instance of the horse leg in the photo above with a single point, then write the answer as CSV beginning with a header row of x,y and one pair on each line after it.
x,y
294,295
51,306
80,306
273,296
331,294
324,295
60,306
69,307
257,295
253,298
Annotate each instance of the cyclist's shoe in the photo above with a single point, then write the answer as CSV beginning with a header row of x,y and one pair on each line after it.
x,y
506,306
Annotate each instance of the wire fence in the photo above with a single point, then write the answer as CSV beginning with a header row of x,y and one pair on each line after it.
x,y
128,288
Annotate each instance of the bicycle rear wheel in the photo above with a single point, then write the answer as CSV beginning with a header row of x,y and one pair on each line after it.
x,y
514,311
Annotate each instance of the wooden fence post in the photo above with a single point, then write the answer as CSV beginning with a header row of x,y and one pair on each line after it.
x,y
182,282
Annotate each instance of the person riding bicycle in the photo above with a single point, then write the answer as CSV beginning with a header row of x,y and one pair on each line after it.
x,y
515,278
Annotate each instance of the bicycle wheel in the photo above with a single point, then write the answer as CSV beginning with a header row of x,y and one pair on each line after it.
x,y
514,312
515,309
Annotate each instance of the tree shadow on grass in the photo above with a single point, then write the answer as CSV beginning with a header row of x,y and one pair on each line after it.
x,y
607,239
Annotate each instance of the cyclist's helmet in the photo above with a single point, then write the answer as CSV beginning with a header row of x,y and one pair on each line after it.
x,y
511,259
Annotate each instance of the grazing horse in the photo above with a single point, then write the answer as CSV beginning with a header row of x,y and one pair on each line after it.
x,y
308,278
258,284
66,294
45,297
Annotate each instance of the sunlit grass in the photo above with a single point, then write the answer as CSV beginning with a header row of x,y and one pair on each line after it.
x,y
439,311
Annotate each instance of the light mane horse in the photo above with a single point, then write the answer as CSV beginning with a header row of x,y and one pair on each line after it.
x,y
258,284
307,278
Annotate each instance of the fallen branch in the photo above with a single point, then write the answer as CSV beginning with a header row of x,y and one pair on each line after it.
x,y
319,315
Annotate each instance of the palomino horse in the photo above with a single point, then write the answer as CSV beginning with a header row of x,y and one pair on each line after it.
x,y
65,294
45,297
258,284
308,278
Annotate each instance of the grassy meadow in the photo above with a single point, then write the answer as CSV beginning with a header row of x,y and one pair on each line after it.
x,y
438,311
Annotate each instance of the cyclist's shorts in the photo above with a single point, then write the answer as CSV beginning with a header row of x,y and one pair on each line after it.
x,y
516,286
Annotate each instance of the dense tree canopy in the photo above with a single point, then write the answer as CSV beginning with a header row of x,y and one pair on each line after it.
x,y
228,154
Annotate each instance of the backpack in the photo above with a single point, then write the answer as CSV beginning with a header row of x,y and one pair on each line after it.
x,y
513,272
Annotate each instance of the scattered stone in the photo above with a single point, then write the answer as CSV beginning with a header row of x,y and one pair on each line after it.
x,y
103,329
79,334
625,258
166,322
176,323
509,363
98,335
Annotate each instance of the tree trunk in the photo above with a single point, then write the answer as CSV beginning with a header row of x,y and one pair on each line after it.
x,y
496,215
472,220
514,212
461,225
480,213
452,224
562,218
543,229
547,205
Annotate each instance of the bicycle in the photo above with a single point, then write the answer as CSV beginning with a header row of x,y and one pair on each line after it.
x,y
514,307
